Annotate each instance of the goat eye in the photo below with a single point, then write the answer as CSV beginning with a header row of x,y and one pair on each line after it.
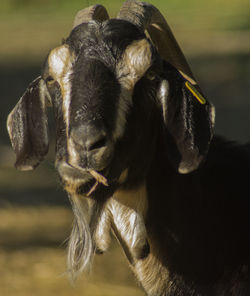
x,y
151,75
50,80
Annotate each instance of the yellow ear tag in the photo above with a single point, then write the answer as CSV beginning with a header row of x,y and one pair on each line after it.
x,y
195,92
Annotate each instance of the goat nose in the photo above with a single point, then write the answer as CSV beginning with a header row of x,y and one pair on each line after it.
x,y
89,137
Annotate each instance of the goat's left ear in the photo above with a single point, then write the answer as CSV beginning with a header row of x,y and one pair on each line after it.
x,y
27,125
188,119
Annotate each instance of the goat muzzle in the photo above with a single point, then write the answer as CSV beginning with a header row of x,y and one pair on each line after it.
x,y
77,180
89,148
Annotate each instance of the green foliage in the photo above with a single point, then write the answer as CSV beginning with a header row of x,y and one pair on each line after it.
x,y
213,14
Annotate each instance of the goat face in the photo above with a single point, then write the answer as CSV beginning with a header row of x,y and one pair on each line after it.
x,y
112,94
91,79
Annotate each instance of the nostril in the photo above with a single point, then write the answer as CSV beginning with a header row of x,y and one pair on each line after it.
x,y
88,137
98,144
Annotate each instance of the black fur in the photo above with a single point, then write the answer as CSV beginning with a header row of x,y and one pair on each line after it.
x,y
201,221
27,126
188,122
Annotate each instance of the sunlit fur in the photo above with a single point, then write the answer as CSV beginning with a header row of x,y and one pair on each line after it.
x,y
124,214
80,249
60,62
128,210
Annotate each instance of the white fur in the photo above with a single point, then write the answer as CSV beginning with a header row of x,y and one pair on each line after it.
x,y
135,62
163,95
125,211
60,67
102,233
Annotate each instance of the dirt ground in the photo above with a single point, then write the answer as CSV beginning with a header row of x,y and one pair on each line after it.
x,y
33,258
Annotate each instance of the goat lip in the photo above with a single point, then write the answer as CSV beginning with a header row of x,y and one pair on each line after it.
x,y
86,189
76,174
72,173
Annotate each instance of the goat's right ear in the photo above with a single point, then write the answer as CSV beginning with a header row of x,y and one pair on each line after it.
x,y
27,125
188,120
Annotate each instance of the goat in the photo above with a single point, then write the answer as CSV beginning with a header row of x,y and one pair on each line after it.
x,y
136,152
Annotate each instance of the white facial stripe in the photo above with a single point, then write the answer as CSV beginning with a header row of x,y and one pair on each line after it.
x,y
73,155
66,90
60,67
135,62
58,61
125,101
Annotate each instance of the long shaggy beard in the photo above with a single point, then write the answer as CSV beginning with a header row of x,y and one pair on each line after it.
x,y
80,247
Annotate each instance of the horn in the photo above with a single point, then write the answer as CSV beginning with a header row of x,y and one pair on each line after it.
x,y
148,18
95,12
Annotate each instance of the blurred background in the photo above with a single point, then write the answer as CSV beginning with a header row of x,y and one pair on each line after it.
x,y
34,211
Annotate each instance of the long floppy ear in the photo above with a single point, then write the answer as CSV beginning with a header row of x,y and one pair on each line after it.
x,y
188,118
27,125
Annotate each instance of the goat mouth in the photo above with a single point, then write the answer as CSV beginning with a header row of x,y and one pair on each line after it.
x,y
88,188
98,178
84,180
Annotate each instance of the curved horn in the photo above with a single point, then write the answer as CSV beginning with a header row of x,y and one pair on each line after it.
x,y
148,18
95,12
